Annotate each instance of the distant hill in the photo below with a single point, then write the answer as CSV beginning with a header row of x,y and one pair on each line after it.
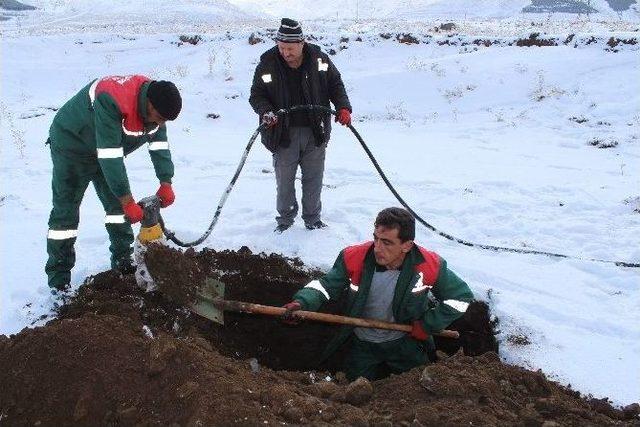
x,y
427,9
620,5
14,5
147,10
559,6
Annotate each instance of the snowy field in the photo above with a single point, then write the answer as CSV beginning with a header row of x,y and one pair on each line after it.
x,y
490,144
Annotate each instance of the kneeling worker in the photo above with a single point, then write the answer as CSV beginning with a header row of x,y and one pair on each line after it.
x,y
387,279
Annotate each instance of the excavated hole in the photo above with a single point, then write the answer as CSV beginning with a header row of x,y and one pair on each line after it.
x,y
262,279
272,280
257,278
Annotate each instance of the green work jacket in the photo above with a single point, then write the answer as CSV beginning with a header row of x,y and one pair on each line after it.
x,y
105,121
426,290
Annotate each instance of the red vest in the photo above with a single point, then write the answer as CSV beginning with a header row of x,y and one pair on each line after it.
x,y
354,260
124,90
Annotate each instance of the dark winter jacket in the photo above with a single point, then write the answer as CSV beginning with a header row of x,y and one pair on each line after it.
x,y
321,83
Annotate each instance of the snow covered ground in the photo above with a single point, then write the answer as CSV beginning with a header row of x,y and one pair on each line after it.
x,y
489,144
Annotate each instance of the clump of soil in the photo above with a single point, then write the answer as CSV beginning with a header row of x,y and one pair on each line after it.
x,y
119,356
614,41
477,332
535,40
407,39
518,339
177,275
253,39
578,120
603,142
193,40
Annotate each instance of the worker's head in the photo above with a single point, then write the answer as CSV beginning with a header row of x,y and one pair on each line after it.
x,y
395,229
290,41
163,102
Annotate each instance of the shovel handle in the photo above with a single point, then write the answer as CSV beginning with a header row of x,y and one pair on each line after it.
x,y
246,307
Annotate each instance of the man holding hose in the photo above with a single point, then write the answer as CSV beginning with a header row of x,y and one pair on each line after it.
x,y
297,73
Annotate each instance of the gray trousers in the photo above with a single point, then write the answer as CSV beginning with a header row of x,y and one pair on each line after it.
x,y
302,151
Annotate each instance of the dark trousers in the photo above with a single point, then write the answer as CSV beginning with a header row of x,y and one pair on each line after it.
x,y
302,152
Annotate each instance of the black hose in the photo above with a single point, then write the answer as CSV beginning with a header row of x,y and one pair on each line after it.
x,y
171,236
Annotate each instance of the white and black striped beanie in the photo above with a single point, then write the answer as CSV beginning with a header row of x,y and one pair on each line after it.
x,y
290,31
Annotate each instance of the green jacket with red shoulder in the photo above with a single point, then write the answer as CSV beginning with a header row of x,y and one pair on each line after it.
x,y
422,272
105,121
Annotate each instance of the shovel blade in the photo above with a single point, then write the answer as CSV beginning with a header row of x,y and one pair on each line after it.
x,y
205,306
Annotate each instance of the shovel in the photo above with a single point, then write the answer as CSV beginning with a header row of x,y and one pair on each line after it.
x,y
211,305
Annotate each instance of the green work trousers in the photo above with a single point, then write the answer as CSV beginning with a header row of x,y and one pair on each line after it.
x,y
71,177
374,361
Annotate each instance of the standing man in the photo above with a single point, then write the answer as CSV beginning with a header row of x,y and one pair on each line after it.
x,y
295,73
387,279
89,137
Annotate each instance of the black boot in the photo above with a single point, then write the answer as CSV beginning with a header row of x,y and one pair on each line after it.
x,y
316,225
281,227
125,266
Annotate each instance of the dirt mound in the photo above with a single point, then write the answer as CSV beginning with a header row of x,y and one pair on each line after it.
x,y
264,279
103,369
119,356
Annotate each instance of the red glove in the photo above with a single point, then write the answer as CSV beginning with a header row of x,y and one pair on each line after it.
x,y
133,211
166,194
288,316
270,119
418,332
344,117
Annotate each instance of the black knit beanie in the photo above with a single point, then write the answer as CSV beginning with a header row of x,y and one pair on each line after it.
x,y
165,98
290,31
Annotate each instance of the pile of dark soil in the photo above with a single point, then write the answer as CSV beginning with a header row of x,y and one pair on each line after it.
x,y
119,356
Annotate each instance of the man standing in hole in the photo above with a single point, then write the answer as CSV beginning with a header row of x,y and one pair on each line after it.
x,y
393,279
297,73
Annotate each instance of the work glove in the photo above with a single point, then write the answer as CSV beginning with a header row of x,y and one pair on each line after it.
x,y
289,316
418,332
133,211
270,119
165,194
344,117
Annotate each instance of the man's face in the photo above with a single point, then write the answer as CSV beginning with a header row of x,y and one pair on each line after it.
x,y
291,53
153,116
388,249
